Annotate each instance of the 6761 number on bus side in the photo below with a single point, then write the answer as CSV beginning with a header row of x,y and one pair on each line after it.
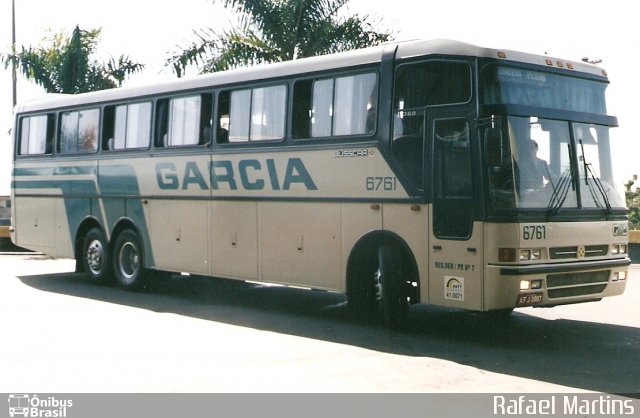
x,y
381,183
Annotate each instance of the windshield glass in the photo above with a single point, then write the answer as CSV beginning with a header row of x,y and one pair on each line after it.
x,y
533,163
595,168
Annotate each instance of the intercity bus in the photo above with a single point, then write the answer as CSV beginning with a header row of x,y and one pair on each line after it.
x,y
432,172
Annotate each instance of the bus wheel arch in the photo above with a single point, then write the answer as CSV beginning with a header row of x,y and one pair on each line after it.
x,y
382,278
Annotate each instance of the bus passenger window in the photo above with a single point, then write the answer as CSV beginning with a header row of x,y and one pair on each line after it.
x,y
127,126
36,135
355,102
252,114
79,131
344,106
239,116
184,121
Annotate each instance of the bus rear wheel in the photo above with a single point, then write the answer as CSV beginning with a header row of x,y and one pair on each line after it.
x,y
96,256
128,261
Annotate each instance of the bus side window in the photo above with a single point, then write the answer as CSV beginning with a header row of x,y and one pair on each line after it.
x,y
79,131
355,103
344,106
184,121
249,115
126,126
36,135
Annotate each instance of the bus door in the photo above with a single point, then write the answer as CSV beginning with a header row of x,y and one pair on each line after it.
x,y
455,241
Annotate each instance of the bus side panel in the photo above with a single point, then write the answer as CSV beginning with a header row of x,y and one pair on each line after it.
x,y
63,238
234,239
300,244
179,235
35,223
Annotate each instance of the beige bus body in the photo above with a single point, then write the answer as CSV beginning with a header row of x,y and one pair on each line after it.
x,y
294,215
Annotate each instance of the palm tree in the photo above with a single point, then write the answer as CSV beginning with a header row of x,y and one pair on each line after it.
x,y
277,30
65,65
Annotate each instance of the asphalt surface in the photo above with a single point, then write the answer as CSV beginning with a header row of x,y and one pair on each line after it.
x,y
65,334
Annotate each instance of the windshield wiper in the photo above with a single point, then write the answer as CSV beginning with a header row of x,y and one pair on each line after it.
x,y
560,192
588,171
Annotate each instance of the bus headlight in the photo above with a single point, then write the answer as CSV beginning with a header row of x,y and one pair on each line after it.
x,y
531,284
530,254
618,249
510,255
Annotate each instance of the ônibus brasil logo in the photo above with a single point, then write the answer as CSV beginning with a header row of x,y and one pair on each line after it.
x,y
32,406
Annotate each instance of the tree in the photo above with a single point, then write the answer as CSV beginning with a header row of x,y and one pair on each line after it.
x,y
633,203
65,64
277,30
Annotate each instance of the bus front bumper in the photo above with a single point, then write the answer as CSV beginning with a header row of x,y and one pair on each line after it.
x,y
546,285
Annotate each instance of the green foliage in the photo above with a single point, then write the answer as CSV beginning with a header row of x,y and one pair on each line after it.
x,y
633,203
65,64
277,30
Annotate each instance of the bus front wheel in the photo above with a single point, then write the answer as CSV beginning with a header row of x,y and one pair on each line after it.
x,y
128,262
376,285
390,295
96,256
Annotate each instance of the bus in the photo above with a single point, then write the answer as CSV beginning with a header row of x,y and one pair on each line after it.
x,y
431,172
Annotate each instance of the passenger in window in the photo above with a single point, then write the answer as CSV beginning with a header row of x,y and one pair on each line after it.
x,y
88,140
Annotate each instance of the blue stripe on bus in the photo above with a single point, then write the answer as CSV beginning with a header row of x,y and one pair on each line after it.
x,y
81,196
55,171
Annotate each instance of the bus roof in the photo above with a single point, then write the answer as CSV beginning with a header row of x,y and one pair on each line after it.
x,y
349,59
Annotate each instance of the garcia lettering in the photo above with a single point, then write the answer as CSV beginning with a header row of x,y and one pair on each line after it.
x,y
249,174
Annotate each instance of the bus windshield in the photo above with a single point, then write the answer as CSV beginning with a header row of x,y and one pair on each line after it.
x,y
550,149
553,164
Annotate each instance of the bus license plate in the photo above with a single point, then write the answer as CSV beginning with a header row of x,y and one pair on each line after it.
x,y
529,299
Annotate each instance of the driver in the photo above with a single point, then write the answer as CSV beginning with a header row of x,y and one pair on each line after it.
x,y
534,172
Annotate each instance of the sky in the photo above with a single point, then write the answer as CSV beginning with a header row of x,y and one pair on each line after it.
x,y
148,31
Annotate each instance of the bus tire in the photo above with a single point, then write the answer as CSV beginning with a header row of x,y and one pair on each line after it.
x,y
96,257
376,286
128,262
391,296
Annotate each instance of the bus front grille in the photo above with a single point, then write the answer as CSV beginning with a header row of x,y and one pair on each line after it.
x,y
560,253
577,284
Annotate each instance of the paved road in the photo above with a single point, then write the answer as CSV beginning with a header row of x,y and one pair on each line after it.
x,y
63,334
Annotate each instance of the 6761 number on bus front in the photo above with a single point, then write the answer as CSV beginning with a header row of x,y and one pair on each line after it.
x,y
534,232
